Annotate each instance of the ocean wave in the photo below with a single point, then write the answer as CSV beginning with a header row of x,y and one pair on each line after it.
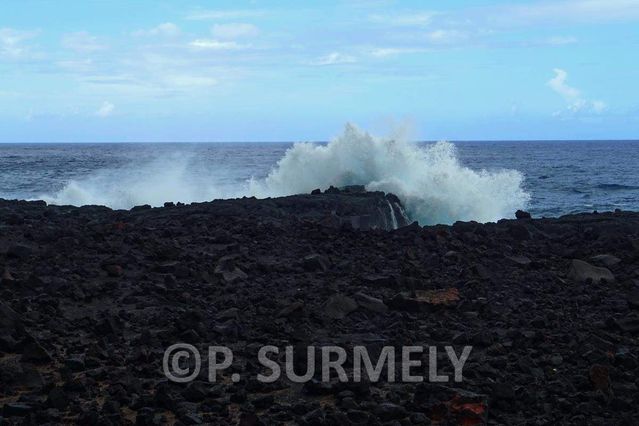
x,y
429,180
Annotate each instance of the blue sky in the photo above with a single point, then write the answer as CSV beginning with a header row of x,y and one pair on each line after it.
x,y
289,70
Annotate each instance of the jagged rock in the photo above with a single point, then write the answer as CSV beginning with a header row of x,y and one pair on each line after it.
x,y
387,411
519,260
600,377
370,303
34,352
315,262
12,409
339,306
57,398
520,214
19,251
113,270
75,362
7,278
581,271
531,327
605,259
290,309
228,271
519,232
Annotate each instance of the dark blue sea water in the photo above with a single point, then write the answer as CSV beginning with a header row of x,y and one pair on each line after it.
x,y
560,177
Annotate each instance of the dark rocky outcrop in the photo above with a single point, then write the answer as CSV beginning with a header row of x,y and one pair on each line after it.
x,y
91,297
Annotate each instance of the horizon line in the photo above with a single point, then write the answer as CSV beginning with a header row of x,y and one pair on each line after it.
x,y
310,141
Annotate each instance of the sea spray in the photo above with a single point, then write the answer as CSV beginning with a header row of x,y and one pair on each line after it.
x,y
147,182
429,180
392,215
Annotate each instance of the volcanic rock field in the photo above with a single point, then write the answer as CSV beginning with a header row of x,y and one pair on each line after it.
x,y
90,299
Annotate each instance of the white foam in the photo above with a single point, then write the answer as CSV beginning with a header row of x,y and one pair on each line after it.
x,y
151,182
392,215
429,180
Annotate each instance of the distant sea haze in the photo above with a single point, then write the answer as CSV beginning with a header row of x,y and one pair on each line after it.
x,y
437,182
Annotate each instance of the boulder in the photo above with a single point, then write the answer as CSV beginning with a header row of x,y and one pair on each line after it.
x,y
227,269
581,271
339,306
520,214
370,303
606,259
11,328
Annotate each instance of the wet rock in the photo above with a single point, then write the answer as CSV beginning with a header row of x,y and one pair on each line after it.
x,y
581,271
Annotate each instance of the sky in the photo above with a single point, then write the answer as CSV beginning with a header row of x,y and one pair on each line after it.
x,y
126,71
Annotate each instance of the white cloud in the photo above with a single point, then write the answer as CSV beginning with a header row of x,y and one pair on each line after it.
x,y
211,44
598,106
234,30
573,96
167,29
12,42
82,42
384,52
567,11
416,19
79,66
446,36
559,85
334,58
561,40
190,81
105,110
212,15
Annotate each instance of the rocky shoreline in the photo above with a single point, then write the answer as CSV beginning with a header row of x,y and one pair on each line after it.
x,y
90,298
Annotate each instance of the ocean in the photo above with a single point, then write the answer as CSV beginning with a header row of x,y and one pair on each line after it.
x,y
437,182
